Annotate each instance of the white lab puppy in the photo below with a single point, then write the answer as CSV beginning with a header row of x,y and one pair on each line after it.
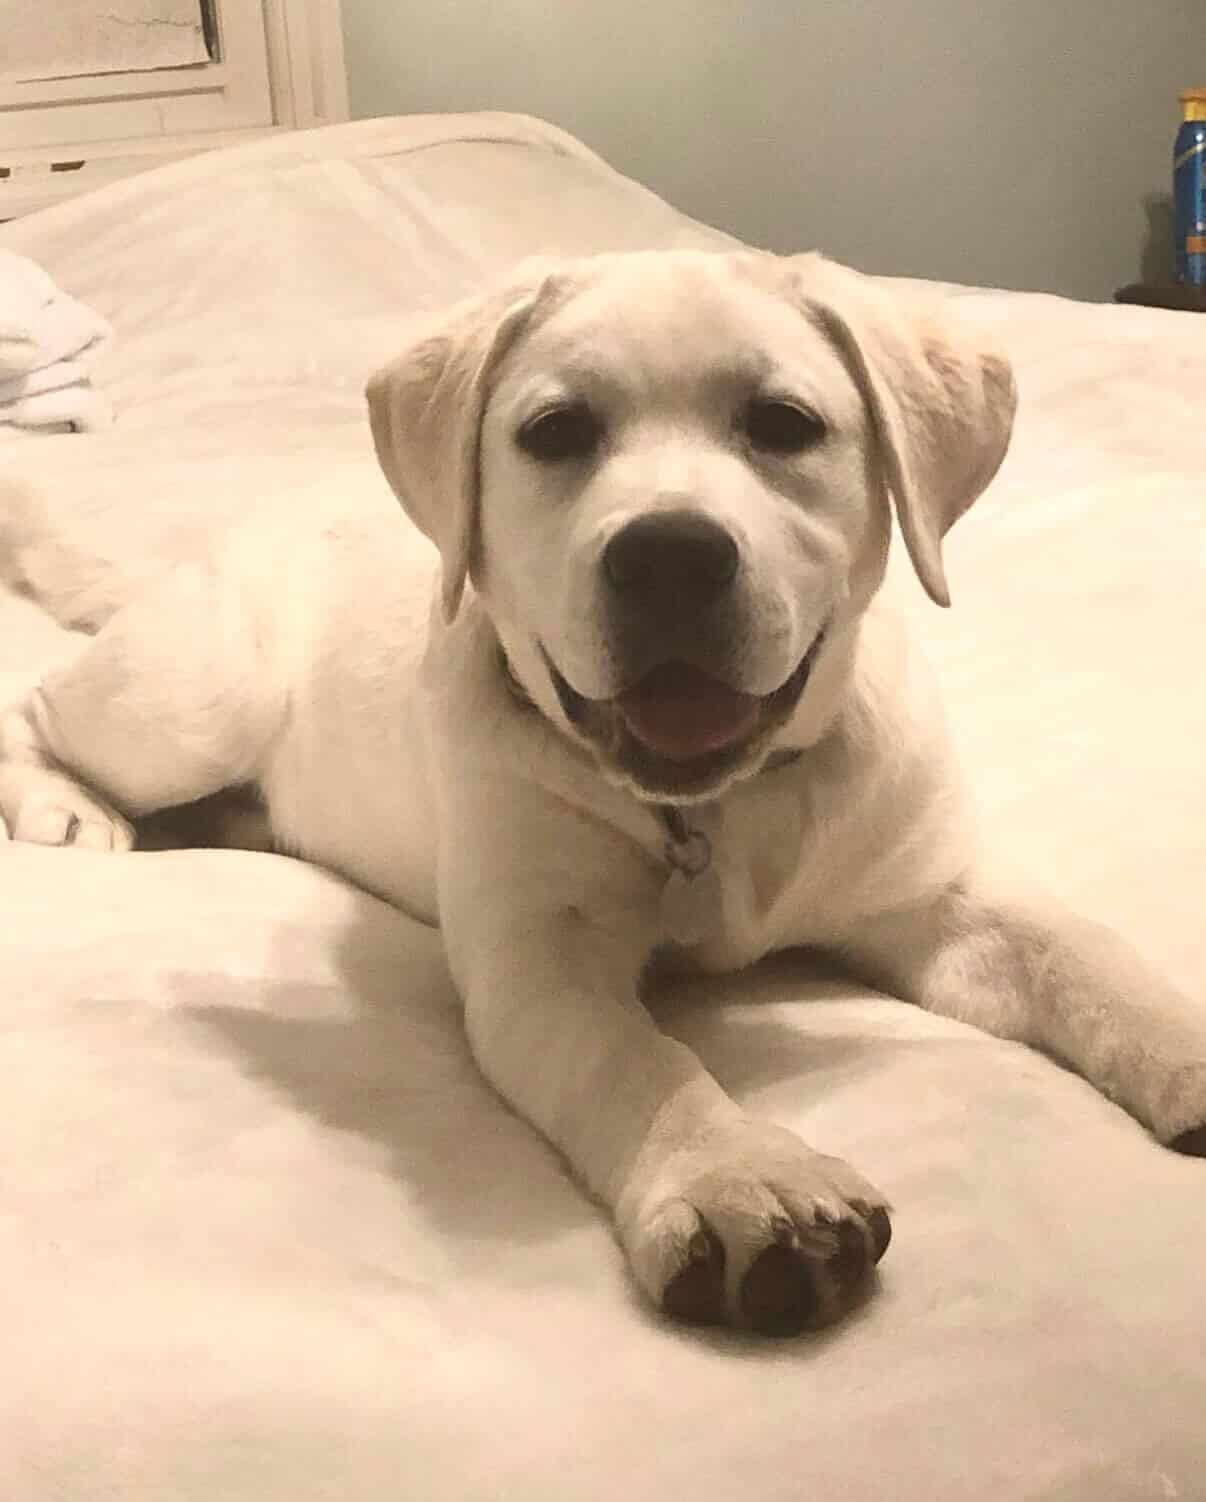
x,y
661,704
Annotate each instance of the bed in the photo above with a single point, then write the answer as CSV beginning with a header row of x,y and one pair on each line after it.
x,y
265,1236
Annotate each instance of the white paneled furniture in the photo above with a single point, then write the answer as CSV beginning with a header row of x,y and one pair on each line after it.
x,y
93,90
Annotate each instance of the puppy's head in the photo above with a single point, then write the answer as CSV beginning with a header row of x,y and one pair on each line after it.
x,y
668,475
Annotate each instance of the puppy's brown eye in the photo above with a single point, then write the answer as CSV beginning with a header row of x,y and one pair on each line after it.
x,y
569,432
781,427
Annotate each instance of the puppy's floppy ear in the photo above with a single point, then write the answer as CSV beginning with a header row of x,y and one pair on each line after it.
x,y
941,402
426,409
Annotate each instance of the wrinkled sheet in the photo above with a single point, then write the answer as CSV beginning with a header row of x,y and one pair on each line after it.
x,y
264,1234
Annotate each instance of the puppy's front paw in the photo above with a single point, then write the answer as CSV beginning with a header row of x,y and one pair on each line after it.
x,y
44,807
750,1227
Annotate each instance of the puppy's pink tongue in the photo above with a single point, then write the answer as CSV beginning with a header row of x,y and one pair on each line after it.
x,y
681,712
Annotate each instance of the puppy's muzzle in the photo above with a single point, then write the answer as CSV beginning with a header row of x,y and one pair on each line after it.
x,y
680,720
670,565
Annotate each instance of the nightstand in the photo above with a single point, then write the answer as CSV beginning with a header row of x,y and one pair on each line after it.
x,y
1184,299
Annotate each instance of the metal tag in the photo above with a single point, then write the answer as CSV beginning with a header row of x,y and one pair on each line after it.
x,y
691,906
692,896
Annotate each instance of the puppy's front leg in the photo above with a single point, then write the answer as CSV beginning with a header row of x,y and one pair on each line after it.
x,y
1030,970
723,1218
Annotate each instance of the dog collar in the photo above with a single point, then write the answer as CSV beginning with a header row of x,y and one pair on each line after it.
x,y
514,687
693,895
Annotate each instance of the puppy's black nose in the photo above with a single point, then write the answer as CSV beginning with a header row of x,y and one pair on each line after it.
x,y
671,560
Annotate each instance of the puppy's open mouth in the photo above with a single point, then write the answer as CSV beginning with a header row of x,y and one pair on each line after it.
x,y
678,730
680,712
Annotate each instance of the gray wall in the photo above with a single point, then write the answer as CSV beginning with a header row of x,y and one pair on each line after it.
x,y
1016,143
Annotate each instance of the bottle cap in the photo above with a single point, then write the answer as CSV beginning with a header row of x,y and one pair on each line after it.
x,y
1193,104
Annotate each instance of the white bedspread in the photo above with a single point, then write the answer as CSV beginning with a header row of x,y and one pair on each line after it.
x,y
266,1237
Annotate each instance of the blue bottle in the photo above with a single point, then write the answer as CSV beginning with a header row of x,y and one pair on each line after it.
x,y
1189,189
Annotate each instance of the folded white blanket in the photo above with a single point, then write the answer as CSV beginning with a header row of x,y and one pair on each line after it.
x,y
39,323
74,408
47,339
54,377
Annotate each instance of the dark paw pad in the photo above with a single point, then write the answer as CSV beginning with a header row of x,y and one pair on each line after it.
x,y
1192,1143
778,1293
849,1264
880,1226
696,1292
